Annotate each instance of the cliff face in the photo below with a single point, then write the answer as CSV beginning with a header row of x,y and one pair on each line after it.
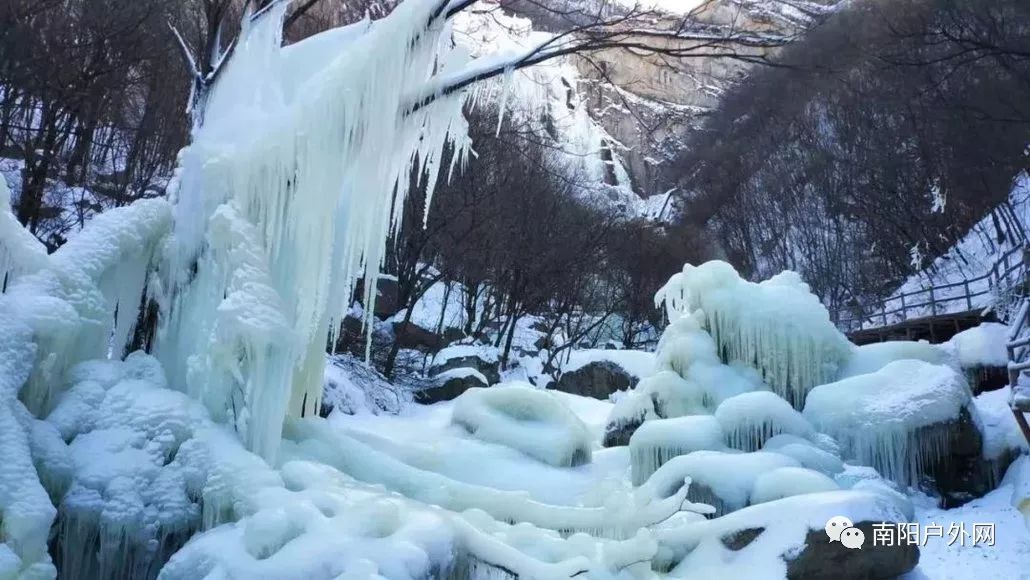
x,y
649,101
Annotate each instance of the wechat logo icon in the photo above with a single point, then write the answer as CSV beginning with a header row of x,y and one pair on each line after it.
x,y
843,530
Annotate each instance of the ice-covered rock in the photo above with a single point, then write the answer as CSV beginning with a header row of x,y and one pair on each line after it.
x,y
777,326
751,419
720,479
656,442
522,417
907,420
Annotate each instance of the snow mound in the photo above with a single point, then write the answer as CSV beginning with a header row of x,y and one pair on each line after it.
x,y
525,418
981,346
806,452
720,479
870,358
877,417
777,326
787,482
656,442
750,419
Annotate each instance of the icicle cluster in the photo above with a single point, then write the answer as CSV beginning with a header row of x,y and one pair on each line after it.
x,y
314,149
777,326
751,419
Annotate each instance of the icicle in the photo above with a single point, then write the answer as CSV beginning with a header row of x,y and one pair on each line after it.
x,y
314,149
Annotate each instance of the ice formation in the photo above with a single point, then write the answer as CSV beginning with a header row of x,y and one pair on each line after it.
x,y
720,479
777,326
656,442
523,417
20,251
286,196
689,379
895,419
750,419
787,482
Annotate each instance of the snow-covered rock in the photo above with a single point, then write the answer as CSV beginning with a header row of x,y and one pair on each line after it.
x,y
906,420
484,359
525,418
451,384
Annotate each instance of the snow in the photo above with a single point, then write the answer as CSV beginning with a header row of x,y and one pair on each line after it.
x,y
1001,433
1006,559
750,419
778,326
527,419
876,416
981,346
787,482
462,373
656,442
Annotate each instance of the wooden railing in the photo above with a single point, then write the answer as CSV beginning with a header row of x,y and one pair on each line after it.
x,y
1019,361
1004,274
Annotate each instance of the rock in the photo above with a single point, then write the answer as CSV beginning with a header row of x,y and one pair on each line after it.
x,y
450,385
963,475
490,370
821,558
482,358
619,434
987,378
387,301
411,335
741,539
597,379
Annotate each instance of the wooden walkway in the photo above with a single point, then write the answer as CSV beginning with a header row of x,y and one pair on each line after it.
x,y
939,312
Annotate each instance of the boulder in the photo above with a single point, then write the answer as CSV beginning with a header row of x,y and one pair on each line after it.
x,y
411,335
597,379
483,359
387,301
962,475
450,385
821,558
